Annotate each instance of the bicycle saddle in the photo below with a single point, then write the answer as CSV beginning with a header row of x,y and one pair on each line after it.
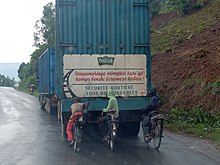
x,y
112,111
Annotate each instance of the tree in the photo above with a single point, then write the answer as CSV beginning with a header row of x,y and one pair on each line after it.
x,y
44,37
6,81
155,7
21,71
185,6
45,27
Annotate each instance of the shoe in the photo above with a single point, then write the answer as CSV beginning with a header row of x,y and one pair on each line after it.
x,y
105,138
71,143
147,138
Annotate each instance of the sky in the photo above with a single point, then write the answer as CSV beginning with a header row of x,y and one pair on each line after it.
x,y
18,18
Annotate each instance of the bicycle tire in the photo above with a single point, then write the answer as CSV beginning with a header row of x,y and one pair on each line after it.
x,y
75,146
76,138
158,131
79,135
111,141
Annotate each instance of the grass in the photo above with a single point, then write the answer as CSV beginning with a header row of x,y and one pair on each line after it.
x,y
193,80
195,130
213,87
25,90
195,122
172,33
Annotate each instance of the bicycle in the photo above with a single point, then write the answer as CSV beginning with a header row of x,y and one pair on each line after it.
x,y
113,124
78,127
156,132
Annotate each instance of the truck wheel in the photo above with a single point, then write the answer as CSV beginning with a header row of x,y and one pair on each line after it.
x,y
131,128
42,106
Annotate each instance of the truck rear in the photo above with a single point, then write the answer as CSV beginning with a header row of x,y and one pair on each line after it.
x,y
103,45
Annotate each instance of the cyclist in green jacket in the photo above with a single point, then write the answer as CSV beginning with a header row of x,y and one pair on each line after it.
x,y
112,105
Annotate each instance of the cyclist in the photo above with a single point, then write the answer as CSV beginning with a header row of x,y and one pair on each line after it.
x,y
146,113
102,121
76,109
31,88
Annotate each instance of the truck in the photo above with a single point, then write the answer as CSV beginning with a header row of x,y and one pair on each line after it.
x,y
100,45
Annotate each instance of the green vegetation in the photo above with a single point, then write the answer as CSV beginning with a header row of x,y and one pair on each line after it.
x,y
173,33
213,87
193,80
182,6
44,37
155,6
6,81
196,122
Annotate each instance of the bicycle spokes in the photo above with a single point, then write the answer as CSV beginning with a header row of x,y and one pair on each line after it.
x,y
156,130
157,134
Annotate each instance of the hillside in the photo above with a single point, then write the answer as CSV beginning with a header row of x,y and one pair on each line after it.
x,y
186,61
10,70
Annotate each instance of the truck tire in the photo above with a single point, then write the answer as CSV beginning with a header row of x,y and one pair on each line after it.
x,y
42,107
42,102
130,128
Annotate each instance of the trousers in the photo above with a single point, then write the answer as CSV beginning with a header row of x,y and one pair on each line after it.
x,y
70,124
146,124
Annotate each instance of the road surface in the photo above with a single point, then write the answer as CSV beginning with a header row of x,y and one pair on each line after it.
x,y
29,136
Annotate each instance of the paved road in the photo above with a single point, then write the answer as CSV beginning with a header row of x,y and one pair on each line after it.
x,y
29,136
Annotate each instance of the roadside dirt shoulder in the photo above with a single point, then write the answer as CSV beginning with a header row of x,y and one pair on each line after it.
x,y
183,75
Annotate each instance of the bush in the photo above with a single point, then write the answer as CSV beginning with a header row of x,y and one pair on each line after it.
x,y
186,6
196,116
154,7
213,87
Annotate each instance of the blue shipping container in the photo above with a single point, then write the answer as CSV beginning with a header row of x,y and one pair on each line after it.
x,y
102,27
46,72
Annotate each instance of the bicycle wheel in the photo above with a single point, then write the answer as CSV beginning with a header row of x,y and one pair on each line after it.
x,y
112,138
76,138
158,130
79,138
75,146
111,143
